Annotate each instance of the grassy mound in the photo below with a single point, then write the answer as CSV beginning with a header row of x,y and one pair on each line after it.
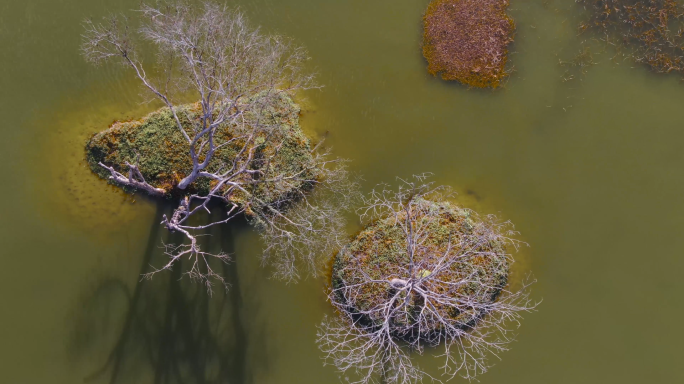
x,y
161,151
467,40
379,253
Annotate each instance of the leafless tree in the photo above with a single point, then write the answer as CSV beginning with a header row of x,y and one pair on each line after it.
x,y
210,53
450,295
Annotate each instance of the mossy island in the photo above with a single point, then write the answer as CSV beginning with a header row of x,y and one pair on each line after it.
x,y
422,273
160,151
467,41
456,245
239,146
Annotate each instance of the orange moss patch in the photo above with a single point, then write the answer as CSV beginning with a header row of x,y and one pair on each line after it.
x,y
467,40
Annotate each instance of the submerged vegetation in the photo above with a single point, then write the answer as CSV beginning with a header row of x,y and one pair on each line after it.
x,y
578,66
467,40
422,273
647,31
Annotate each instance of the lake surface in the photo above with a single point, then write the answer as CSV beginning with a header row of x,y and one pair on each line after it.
x,y
589,170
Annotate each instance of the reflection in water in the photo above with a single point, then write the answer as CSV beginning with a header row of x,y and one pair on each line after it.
x,y
172,331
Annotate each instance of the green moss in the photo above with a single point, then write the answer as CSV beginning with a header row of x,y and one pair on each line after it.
x,y
379,251
161,151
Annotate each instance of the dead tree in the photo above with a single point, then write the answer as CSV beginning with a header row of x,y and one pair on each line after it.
x,y
210,53
422,275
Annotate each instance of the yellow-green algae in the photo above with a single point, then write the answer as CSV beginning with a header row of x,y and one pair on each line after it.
x,y
380,250
161,152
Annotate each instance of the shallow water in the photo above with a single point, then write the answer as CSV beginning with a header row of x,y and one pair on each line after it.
x,y
589,170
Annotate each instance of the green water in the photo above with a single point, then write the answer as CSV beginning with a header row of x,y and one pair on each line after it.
x,y
589,170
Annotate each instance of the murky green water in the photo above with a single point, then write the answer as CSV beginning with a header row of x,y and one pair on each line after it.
x,y
590,171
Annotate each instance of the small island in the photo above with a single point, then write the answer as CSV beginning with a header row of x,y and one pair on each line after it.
x,y
467,41
649,32
160,152
422,273
380,252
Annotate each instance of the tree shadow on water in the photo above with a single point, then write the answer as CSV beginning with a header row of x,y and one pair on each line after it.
x,y
167,330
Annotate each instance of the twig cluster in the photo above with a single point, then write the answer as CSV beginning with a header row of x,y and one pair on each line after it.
x,y
211,54
422,274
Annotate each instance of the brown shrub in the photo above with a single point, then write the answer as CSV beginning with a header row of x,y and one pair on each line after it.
x,y
467,40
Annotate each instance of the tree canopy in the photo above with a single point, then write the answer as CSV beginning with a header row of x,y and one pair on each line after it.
x,y
423,273
233,144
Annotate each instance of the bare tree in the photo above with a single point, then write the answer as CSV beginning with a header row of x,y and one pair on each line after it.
x,y
422,274
211,54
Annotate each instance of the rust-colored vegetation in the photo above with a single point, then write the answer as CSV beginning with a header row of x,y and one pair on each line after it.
x,y
650,31
467,40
